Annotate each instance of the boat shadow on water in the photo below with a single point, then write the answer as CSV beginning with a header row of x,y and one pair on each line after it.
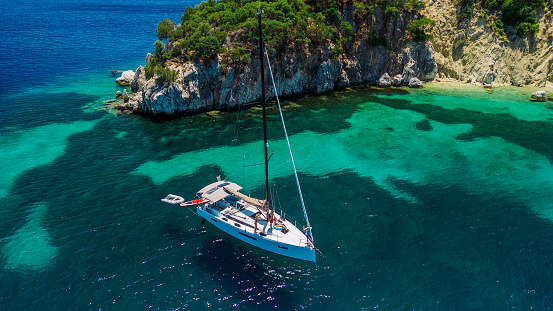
x,y
251,277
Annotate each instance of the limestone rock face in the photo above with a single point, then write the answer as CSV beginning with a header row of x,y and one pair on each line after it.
x,y
138,80
488,79
539,96
466,50
327,76
418,60
148,58
211,86
125,78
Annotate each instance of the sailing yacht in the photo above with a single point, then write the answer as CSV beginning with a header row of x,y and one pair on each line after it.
x,y
249,219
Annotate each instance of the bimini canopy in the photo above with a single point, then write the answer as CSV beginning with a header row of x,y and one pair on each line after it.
x,y
254,201
215,192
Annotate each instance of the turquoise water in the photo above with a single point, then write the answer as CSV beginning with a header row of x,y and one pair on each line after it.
x,y
430,199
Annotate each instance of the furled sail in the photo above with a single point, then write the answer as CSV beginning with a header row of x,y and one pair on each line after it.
x,y
259,203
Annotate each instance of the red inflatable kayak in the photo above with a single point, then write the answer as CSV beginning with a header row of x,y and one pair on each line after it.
x,y
193,202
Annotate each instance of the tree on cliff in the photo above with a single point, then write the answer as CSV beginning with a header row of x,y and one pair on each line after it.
x,y
419,29
165,29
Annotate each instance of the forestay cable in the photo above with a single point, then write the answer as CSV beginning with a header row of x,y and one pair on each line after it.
x,y
288,142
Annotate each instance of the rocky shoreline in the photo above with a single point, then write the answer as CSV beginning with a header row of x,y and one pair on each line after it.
x,y
128,103
467,51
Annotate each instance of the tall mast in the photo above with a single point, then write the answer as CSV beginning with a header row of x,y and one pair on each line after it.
x,y
264,113
289,148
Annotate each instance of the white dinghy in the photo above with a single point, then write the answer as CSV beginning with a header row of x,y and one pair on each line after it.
x,y
173,199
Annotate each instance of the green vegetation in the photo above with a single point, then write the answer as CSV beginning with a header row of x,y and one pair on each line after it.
x,y
392,10
346,30
288,25
336,50
419,28
239,54
166,75
165,29
318,31
466,10
465,14
228,29
394,7
500,14
415,5
361,9
156,66
519,14
374,39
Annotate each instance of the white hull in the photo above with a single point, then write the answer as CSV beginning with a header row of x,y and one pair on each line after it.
x,y
293,244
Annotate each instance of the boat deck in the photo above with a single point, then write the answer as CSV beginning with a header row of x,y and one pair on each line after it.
x,y
235,213
244,219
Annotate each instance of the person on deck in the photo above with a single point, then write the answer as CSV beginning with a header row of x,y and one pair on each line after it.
x,y
256,220
307,231
271,219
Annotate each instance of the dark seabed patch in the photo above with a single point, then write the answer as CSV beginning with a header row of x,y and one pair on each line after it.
x,y
23,111
424,125
534,135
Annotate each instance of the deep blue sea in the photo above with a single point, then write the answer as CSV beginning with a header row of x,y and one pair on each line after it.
x,y
431,199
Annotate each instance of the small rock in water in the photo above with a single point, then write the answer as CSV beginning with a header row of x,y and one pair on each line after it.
x,y
385,80
398,79
118,94
125,78
539,96
415,83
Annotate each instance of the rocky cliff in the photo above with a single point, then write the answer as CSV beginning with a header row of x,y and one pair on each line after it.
x,y
469,51
465,50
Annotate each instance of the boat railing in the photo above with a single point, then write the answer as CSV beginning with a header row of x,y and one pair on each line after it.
x,y
302,242
290,220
